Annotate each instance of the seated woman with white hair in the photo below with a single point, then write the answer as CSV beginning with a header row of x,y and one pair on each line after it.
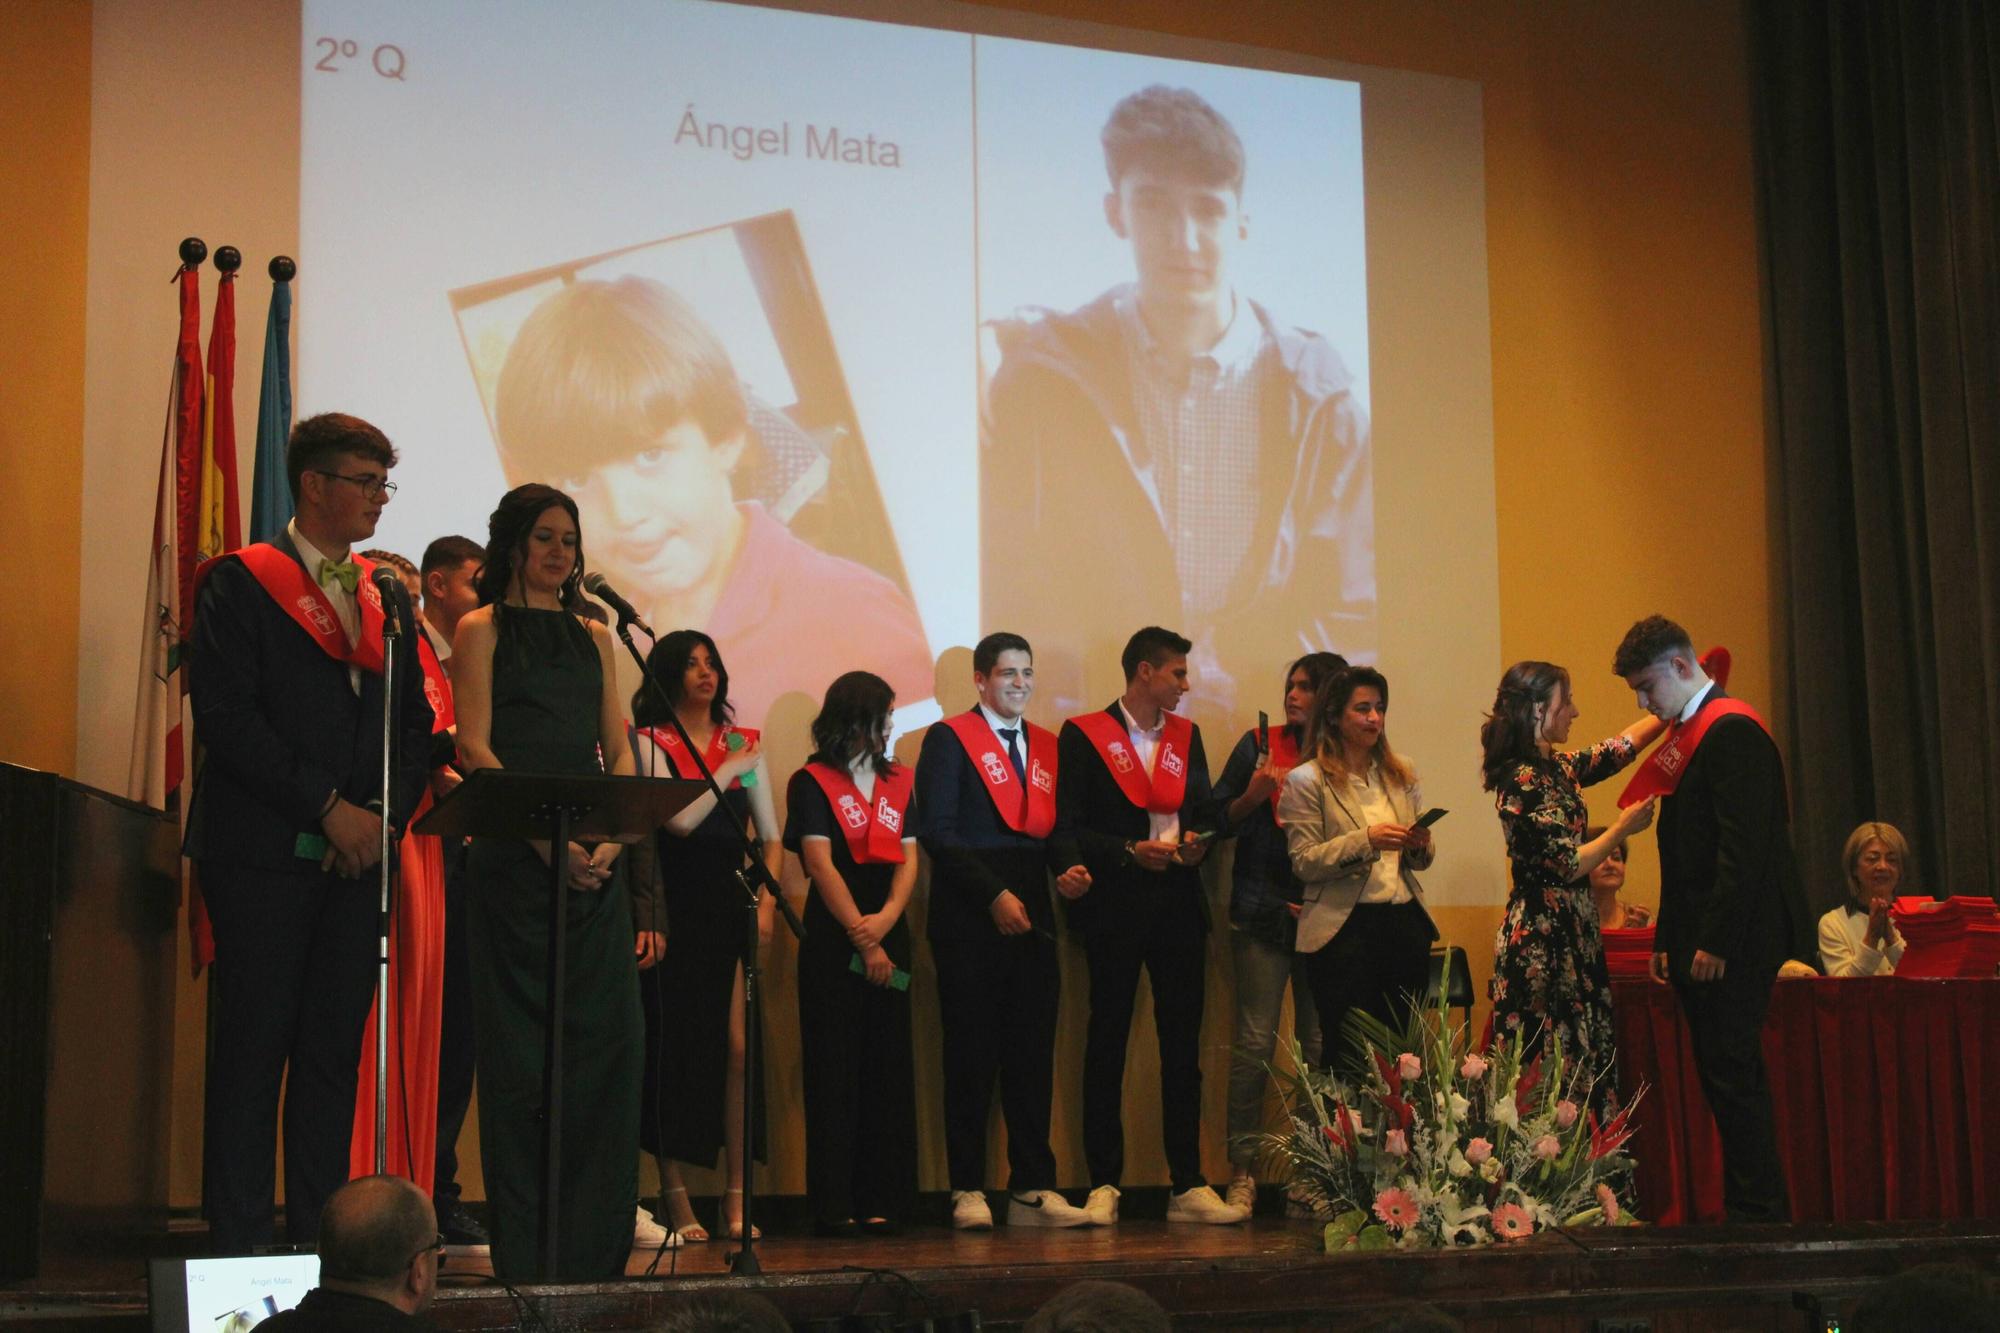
x,y
1857,939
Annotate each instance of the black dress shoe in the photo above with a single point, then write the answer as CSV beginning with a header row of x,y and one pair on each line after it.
x,y
882,1226
462,1232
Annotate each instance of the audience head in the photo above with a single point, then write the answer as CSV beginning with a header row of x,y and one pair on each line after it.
x,y
1656,658
338,467
450,574
1003,669
533,539
1302,681
1156,667
622,393
723,1312
1531,708
853,722
1349,719
1876,857
378,1237
1937,1298
404,570
688,666
1607,877
1094,1306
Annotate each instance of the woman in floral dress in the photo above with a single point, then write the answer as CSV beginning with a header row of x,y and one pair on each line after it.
x,y
1548,964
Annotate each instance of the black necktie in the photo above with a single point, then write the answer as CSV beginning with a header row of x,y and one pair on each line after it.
x,y
1013,736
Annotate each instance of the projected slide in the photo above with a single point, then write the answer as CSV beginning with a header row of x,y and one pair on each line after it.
x,y
854,341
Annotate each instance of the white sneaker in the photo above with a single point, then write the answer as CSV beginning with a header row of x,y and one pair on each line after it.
x,y
969,1211
1202,1204
648,1234
1242,1193
1046,1208
1102,1206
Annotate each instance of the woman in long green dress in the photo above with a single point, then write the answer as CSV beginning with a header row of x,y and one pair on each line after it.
x,y
529,680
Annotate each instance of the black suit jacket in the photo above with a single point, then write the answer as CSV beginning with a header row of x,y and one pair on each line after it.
x,y
974,855
281,727
1729,884
1094,821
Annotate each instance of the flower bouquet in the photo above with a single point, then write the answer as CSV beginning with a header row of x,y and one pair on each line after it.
x,y
1441,1145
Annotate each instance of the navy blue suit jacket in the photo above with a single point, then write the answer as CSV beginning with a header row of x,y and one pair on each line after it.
x,y
281,727
974,855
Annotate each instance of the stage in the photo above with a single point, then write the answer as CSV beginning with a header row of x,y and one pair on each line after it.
x,y
1265,1274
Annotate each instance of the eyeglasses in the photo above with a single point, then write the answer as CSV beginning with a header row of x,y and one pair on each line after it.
x,y
435,1247
375,488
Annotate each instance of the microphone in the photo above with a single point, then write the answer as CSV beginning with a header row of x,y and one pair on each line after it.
x,y
600,587
396,606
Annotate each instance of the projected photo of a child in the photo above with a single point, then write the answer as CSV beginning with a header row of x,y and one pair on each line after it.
x,y
688,394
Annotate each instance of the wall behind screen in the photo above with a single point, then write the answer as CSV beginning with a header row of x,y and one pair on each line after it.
x,y
1623,314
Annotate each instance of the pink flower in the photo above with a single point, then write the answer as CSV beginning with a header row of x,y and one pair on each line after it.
x,y
1547,1148
1478,1151
1565,1113
1395,1143
1608,1202
1474,1067
1409,1066
1511,1222
1394,1207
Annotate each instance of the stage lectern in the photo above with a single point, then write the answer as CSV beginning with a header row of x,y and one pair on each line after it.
x,y
558,808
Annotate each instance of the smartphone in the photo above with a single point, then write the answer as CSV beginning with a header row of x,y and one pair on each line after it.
x,y
1431,816
1263,732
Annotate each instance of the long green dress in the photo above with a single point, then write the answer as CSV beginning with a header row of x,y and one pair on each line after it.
x,y
547,689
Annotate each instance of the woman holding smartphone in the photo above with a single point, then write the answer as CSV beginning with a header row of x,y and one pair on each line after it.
x,y
848,822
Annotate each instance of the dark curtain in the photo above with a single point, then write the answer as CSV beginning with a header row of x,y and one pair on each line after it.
x,y
1879,193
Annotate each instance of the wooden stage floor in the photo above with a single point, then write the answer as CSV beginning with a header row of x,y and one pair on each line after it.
x,y
1264,1274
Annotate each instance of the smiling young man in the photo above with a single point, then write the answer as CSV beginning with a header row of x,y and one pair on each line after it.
x,y
1134,808
285,675
1730,903
1220,451
986,804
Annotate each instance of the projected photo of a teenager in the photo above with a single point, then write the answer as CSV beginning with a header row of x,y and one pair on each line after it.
x,y
1203,460
618,393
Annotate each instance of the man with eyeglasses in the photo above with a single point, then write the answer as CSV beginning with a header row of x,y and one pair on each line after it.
x,y
284,826
379,1251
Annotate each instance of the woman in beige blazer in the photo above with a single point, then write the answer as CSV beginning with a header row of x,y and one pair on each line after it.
x,y
1349,813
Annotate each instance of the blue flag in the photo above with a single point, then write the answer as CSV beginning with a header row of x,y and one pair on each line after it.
x,y
271,499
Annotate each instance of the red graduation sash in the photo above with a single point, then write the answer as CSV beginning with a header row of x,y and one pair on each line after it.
x,y
874,833
299,597
1660,773
1162,791
1284,751
713,754
1032,812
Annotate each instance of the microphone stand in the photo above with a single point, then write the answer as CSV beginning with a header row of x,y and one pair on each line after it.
x,y
754,880
392,641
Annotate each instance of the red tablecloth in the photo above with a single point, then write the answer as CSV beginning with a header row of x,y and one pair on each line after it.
x,y
1887,1094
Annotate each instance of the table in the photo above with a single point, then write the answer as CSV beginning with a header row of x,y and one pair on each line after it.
x,y
1886,1092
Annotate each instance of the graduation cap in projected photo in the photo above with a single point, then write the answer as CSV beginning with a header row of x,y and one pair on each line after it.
x,y
688,394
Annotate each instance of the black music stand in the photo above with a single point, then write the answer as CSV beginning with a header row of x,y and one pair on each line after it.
x,y
558,808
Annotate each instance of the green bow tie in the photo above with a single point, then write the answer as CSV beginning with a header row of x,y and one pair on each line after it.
x,y
347,574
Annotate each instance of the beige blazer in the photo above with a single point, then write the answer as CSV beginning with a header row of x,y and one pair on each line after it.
x,y
1331,854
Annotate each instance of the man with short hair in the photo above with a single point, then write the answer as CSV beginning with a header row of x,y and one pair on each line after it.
x,y
1221,452
449,572
285,823
986,804
1134,807
1730,901
379,1251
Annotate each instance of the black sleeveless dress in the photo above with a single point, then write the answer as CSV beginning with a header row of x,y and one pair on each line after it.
x,y
547,691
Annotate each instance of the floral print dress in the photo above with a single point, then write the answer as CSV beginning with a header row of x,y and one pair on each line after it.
x,y
1548,959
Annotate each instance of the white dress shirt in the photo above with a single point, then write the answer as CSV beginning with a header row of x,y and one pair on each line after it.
x,y
1146,744
344,603
1385,876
